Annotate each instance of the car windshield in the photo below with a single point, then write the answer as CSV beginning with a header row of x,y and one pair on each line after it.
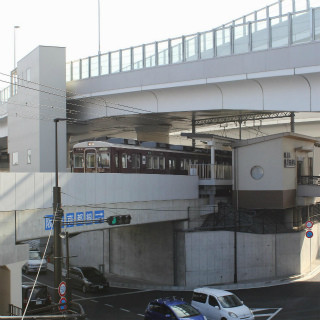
x,y
184,310
34,255
91,272
230,301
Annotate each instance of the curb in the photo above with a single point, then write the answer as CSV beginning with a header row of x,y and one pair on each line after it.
x,y
138,284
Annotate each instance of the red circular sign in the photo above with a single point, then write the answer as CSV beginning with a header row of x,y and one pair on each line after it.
x,y
309,224
62,289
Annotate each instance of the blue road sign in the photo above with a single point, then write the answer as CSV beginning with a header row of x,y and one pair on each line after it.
x,y
99,215
309,234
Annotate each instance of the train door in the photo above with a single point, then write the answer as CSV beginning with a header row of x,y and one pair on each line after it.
x,y
90,160
136,162
116,157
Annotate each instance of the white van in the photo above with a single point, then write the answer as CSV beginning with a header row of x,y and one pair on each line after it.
x,y
220,305
34,262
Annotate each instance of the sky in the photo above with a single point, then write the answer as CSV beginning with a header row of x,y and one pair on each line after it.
x,y
123,23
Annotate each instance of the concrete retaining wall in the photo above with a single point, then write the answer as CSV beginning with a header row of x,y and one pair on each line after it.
x,y
210,256
22,191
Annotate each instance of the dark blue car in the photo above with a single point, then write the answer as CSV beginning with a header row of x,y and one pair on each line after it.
x,y
171,308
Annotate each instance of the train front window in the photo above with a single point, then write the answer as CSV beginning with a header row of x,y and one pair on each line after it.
x,y
104,160
78,160
91,160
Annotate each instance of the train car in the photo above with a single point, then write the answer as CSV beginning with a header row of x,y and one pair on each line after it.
x,y
147,157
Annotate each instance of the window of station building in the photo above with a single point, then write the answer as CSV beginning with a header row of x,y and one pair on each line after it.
x,y
124,160
15,158
78,160
91,160
28,156
104,160
136,159
162,163
28,74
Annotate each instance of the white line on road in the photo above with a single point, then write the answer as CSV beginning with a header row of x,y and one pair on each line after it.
x,y
108,305
140,315
124,310
111,295
95,301
275,313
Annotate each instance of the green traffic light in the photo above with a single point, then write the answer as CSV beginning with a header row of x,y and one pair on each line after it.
x,y
114,220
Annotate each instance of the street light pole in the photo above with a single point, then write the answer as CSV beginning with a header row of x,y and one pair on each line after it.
x,y
14,46
58,215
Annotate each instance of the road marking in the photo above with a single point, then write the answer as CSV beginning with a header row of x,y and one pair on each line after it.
x,y
140,315
111,295
270,315
275,313
124,310
95,301
108,305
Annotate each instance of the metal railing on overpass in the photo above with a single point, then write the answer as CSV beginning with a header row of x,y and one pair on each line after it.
x,y
281,24
284,23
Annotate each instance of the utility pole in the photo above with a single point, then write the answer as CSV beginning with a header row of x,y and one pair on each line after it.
x,y
58,216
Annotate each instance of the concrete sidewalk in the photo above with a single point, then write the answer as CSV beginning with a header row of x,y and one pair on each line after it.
x,y
133,283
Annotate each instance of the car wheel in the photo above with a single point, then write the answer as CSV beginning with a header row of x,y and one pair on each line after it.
x,y
84,289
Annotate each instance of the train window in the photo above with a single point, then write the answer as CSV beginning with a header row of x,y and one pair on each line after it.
x,y
78,160
116,160
182,161
124,159
149,162
91,160
136,161
162,163
104,160
155,162
172,164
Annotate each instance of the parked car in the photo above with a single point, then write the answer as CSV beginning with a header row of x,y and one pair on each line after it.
x,y
88,279
173,309
40,296
219,304
34,262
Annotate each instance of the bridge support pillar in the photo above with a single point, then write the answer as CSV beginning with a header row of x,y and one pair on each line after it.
x,y
155,133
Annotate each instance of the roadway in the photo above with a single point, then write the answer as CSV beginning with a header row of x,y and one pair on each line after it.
x,y
293,301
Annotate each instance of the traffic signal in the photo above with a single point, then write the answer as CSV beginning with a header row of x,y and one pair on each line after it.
x,y
116,220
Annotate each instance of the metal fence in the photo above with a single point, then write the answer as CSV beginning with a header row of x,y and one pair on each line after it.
x,y
284,23
211,171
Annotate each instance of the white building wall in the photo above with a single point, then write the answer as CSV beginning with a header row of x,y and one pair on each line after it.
x,y
39,100
269,156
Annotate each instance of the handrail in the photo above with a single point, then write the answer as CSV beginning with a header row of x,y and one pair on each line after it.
x,y
309,180
284,23
211,171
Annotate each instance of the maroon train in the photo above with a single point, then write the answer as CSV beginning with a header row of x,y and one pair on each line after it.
x,y
131,156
